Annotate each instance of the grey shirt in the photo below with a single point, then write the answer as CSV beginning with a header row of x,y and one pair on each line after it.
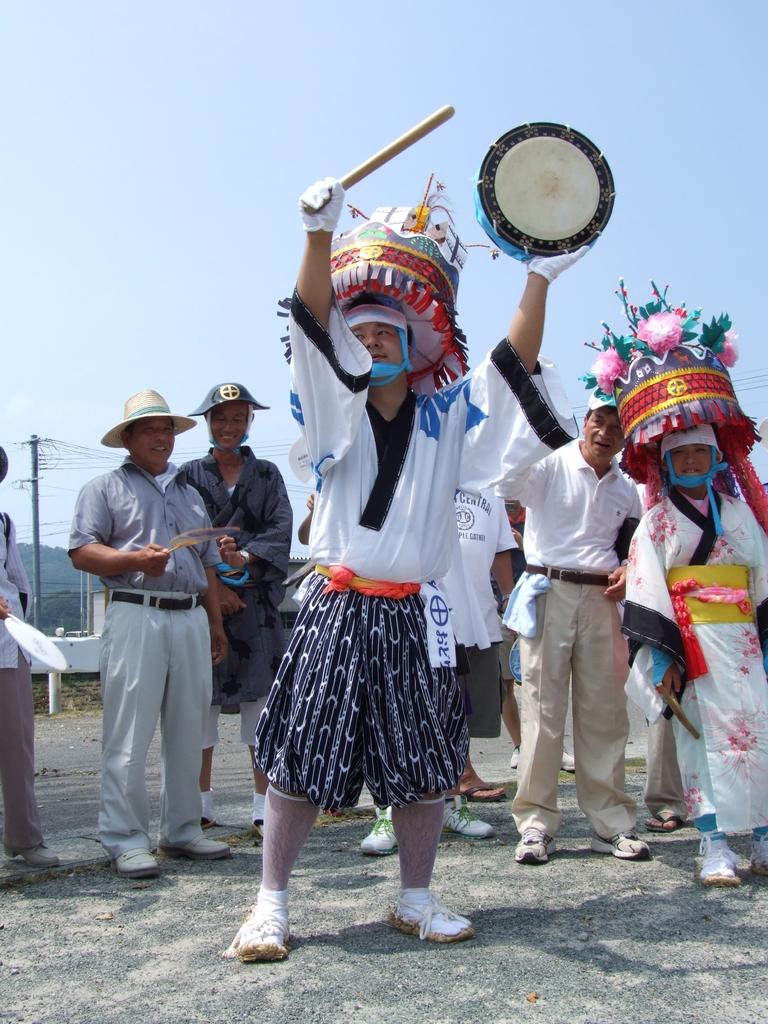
x,y
128,509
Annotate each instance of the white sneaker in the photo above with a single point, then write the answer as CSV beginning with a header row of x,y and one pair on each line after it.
x,y
567,763
420,912
381,840
719,864
515,759
535,847
759,859
458,818
262,936
624,846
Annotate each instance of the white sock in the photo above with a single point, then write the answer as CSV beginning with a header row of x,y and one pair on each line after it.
x,y
414,895
273,899
259,802
206,804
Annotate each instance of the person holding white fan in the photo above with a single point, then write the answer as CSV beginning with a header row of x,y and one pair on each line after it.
x,y
22,834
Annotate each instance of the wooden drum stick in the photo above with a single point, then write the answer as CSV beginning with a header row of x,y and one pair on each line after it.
x,y
399,145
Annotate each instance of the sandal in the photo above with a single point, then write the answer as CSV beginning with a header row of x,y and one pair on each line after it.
x,y
665,821
484,793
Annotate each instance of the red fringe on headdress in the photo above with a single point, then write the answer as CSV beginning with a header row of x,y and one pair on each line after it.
x,y
749,483
653,490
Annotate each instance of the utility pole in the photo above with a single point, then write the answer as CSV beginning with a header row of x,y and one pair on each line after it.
x,y
34,481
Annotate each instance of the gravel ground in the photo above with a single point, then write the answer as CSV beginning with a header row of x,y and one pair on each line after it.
x,y
582,939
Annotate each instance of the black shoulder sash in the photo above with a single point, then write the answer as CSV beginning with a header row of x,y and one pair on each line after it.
x,y
392,455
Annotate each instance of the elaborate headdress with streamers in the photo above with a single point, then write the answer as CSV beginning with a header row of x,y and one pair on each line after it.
x,y
414,256
669,373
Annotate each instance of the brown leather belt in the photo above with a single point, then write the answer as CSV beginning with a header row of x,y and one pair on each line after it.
x,y
595,579
165,604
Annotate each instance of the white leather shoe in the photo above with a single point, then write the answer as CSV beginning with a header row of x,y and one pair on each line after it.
x,y
34,856
136,864
197,849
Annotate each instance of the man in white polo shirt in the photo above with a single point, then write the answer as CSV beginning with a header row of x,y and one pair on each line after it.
x,y
578,501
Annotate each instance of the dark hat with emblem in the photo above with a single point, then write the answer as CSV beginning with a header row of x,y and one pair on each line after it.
x,y
226,393
3,464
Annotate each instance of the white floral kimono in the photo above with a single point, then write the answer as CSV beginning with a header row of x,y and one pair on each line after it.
x,y
724,773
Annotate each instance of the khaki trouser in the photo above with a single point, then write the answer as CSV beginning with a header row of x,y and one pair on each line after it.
x,y
578,643
155,666
17,758
663,785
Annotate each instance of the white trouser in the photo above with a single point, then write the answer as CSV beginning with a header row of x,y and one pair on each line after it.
x,y
154,665
578,642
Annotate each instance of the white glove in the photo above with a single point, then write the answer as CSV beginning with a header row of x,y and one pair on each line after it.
x,y
550,267
321,205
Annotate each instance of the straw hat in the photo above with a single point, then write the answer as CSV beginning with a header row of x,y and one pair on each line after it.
x,y
145,405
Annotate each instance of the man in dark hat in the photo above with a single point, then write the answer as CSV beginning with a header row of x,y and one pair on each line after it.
x,y
248,494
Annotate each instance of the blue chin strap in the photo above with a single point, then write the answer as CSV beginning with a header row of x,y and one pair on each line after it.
x,y
696,481
385,373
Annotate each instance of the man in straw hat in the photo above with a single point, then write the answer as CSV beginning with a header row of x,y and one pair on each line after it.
x,y
162,630
366,691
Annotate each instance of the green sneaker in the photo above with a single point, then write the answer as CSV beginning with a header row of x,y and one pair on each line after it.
x,y
381,840
458,818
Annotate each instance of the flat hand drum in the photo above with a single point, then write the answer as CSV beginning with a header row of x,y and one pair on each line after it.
x,y
543,189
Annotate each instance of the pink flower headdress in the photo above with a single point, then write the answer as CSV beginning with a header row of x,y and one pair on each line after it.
x,y
655,329
670,373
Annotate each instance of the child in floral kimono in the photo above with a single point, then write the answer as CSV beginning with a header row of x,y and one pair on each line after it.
x,y
697,601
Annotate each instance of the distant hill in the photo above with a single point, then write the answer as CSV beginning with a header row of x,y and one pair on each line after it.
x,y
56,570
60,586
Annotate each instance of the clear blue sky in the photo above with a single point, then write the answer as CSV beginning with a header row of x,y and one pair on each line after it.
x,y
153,153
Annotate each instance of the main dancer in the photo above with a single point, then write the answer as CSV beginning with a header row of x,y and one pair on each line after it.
x,y
366,692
